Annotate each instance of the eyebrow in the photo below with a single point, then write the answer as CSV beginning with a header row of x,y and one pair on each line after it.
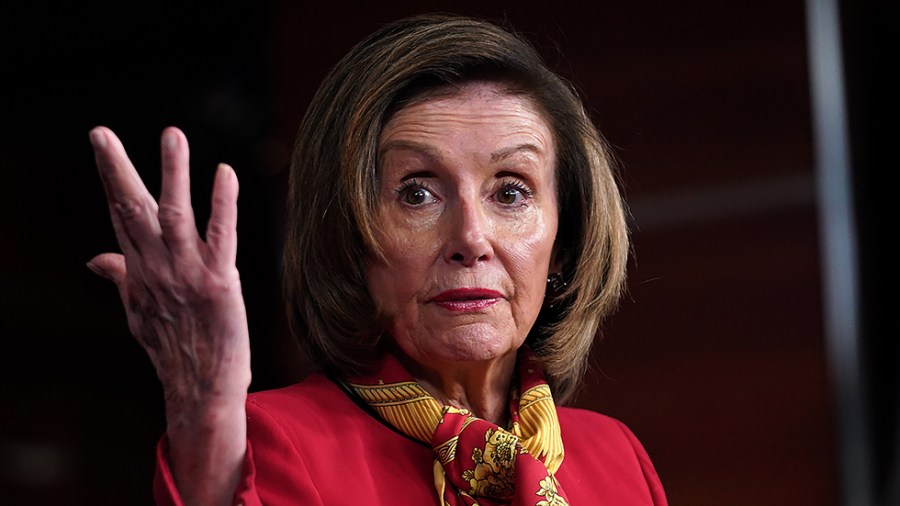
x,y
423,149
505,153
435,155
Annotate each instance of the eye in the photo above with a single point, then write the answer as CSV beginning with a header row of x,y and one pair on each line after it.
x,y
513,194
414,193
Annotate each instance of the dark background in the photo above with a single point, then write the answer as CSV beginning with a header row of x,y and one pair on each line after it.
x,y
717,358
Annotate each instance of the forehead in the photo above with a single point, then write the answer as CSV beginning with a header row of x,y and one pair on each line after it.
x,y
452,111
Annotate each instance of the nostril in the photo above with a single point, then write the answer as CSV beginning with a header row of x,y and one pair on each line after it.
x,y
457,257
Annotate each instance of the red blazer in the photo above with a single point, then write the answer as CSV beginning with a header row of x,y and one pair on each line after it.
x,y
313,444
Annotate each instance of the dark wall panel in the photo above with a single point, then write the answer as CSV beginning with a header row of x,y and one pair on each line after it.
x,y
716,358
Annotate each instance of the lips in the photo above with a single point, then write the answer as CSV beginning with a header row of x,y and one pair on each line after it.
x,y
466,299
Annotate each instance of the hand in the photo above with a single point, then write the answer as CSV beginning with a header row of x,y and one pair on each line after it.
x,y
182,297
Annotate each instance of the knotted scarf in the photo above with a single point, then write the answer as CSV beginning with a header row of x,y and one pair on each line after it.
x,y
476,461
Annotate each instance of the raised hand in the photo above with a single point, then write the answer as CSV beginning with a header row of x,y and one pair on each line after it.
x,y
182,297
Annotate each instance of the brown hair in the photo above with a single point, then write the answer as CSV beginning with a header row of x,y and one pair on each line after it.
x,y
334,183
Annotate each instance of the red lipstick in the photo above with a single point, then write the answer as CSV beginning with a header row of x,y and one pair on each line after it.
x,y
466,299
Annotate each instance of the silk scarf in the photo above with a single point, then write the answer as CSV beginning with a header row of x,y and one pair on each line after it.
x,y
476,461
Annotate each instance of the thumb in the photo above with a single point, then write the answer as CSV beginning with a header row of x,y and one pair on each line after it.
x,y
109,265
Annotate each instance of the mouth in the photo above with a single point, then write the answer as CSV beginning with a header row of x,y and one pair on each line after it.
x,y
466,299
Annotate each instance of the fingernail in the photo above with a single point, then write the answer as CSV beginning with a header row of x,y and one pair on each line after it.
x,y
168,141
97,270
224,172
98,140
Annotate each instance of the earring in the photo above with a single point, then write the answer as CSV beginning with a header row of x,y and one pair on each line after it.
x,y
556,283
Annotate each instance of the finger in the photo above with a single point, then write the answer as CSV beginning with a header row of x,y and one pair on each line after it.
x,y
221,231
110,266
107,166
132,208
120,179
176,216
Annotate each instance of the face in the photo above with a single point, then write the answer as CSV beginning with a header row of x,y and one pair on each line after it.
x,y
468,216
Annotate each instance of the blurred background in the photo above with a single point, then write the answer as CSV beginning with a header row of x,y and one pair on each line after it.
x,y
724,358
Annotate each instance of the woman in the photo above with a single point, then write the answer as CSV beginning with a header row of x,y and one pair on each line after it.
x,y
454,239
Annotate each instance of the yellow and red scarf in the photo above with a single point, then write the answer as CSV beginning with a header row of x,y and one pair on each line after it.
x,y
476,461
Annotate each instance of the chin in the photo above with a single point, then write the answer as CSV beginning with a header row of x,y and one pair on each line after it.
x,y
469,348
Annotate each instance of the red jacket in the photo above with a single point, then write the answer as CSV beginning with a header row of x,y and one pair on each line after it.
x,y
313,444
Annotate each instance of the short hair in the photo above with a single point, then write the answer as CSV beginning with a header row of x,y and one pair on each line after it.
x,y
333,187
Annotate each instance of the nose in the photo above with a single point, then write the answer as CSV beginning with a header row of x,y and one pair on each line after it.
x,y
469,241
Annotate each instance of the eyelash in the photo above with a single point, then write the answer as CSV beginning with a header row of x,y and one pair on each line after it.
x,y
517,185
514,184
410,185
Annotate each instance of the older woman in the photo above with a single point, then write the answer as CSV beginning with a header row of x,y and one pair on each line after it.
x,y
455,237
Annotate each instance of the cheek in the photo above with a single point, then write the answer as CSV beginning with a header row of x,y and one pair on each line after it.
x,y
396,280
531,241
406,237
528,270
530,251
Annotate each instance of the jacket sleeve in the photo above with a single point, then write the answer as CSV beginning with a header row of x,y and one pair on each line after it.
x,y
273,472
165,493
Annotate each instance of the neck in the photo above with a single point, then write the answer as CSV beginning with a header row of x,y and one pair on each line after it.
x,y
482,387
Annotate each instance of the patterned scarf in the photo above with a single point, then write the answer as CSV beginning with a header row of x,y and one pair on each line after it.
x,y
477,462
